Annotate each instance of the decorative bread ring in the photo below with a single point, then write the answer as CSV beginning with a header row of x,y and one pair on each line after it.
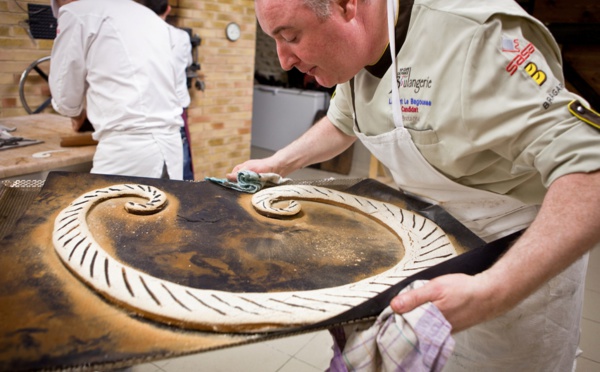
x,y
425,245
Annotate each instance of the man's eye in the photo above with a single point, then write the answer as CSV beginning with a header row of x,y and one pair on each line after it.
x,y
289,38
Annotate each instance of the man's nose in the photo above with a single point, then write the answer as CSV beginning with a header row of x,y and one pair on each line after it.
x,y
287,58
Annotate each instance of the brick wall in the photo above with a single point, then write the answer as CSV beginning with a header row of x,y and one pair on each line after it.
x,y
220,117
17,51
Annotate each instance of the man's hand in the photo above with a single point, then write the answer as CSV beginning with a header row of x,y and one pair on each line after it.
x,y
265,165
557,237
77,121
463,300
321,142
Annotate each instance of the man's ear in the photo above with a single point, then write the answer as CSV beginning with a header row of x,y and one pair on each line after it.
x,y
167,11
347,8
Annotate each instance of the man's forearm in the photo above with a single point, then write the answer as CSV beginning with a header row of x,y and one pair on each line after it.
x,y
321,142
77,121
566,227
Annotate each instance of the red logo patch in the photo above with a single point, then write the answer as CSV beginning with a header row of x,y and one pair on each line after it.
x,y
521,58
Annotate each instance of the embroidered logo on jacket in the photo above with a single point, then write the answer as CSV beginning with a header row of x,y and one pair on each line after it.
x,y
522,58
537,75
551,95
510,45
404,80
411,107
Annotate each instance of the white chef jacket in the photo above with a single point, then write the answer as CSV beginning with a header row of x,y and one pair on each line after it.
x,y
112,57
182,54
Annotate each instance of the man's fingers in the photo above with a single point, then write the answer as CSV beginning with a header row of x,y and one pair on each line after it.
x,y
232,176
410,300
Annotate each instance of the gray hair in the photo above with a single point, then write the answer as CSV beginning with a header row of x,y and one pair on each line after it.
x,y
321,7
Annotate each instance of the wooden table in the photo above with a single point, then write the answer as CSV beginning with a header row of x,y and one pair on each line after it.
x,y
19,163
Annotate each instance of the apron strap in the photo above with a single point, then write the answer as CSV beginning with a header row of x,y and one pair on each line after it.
x,y
396,111
354,103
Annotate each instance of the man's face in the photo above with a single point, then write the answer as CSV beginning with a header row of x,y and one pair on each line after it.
x,y
322,48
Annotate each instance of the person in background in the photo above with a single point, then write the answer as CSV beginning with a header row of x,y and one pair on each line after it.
x,y
109,65
464,101
182,54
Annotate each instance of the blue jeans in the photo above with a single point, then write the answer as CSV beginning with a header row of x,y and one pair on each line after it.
x,y
188,171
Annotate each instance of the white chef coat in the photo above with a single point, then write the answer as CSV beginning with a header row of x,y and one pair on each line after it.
x,y
111,57
182,54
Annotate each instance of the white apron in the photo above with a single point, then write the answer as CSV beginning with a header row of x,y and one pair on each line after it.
x,y
140,154
540,334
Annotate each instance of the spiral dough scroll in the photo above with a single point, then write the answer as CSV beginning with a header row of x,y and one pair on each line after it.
x,y
425,245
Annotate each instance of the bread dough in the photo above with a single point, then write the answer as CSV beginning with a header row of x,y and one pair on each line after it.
x,y
425,245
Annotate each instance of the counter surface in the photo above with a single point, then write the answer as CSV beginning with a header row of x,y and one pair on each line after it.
x,y
48,128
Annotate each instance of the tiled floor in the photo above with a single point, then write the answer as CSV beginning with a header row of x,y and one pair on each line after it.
x,y
312,352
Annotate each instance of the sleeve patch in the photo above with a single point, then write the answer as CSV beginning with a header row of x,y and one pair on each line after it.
x,y
587,115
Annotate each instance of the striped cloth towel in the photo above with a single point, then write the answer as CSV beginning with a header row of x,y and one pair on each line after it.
x,y
251,182
416,341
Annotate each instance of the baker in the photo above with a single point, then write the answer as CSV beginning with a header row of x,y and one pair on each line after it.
x,y
466,105
181,48
120,75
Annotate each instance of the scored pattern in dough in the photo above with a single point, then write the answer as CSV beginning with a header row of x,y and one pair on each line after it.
x,y
425,245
